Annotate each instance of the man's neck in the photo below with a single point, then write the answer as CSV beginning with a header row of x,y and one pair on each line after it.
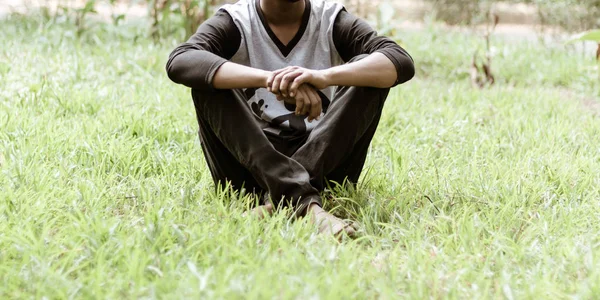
x,y
278,12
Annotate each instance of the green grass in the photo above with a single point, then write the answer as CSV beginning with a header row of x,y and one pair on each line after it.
x,y
467,193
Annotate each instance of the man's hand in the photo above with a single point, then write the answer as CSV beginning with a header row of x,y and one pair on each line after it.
x,y
307,101
287,81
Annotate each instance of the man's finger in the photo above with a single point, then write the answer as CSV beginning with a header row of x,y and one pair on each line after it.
x,y
272,78
307,103
290,101
312,105
316,107
298,81
275,87
299,103
286,80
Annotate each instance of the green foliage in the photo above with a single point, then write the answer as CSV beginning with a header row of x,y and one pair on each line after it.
x,y
463,12
385,19
592,36
170,16
80,14
589,36
467,193
572,15
182,17
166,18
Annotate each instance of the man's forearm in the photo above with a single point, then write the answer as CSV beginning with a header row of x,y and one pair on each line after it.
x,y
375,70
234,76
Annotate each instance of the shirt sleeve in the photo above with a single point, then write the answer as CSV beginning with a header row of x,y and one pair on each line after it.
x,y
353,36
195,62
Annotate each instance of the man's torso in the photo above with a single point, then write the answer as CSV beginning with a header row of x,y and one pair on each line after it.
x,y
311,48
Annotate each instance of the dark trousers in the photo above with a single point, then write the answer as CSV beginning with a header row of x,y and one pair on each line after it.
x,y
292,171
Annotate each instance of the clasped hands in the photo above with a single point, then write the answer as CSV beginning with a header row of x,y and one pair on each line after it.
x,y
296,85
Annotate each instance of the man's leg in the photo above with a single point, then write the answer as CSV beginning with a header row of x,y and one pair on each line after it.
x,y
350,169
337,148
224,116
223,167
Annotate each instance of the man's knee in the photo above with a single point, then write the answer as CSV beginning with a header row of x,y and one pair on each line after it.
x,y
198,96
365,96
205,100
203,95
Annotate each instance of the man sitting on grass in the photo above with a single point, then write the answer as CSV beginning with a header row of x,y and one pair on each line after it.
x,y
288,95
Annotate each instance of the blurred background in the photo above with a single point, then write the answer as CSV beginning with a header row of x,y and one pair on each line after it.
x,y
180,18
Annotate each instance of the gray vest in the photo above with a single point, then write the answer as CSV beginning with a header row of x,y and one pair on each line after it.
x,y
314,50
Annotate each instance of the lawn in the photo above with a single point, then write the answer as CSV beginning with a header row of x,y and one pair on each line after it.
x,y
467,193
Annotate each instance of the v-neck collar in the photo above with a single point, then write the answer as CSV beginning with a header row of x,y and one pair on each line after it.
x,y
285,49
